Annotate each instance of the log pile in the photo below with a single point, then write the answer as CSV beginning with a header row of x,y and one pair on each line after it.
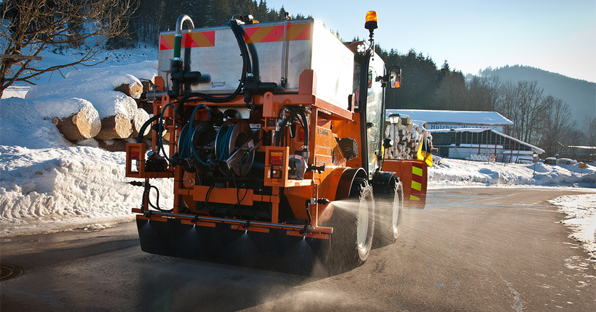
x,y
406,136
117,118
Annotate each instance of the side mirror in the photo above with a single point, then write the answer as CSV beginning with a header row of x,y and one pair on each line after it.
x,y
394,77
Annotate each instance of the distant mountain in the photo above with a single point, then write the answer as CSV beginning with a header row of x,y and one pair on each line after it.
x,y
580,95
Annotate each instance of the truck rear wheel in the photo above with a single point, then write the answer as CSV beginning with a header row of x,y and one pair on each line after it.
x,y
365,221
391,205
353,226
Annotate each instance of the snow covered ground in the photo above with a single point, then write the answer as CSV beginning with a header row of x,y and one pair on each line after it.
x,y
48,184
455,172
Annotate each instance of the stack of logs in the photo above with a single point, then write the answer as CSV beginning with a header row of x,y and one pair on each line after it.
x,y
110,132
406,136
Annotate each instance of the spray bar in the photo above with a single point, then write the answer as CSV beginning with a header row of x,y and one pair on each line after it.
x,y
224,220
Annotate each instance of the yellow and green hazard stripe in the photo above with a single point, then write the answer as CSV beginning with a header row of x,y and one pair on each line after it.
x,y
416,186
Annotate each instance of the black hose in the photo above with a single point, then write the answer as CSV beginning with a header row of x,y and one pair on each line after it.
x,y
144,127
304,123
146,192
246,68
293,115
254,57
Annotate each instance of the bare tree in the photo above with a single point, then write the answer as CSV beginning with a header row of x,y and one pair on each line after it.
x,y
30,26
590,127
482,94
556,126
507,104
523,104
530,108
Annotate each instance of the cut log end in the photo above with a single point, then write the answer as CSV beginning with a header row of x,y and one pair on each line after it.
x,y
133,89
115,127
85,124
140,118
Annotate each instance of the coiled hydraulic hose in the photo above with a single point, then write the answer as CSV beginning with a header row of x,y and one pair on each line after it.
x,y
186,147
224,143
186,138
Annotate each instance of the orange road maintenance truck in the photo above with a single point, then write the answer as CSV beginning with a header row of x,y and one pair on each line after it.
x,y
274,136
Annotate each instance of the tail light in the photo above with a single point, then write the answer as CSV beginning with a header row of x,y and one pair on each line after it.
x,y
276,158
135,153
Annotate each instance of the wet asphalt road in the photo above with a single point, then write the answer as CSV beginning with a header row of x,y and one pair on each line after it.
x,y
477,249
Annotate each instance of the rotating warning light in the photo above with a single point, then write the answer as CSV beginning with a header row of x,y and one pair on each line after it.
x,y
371,20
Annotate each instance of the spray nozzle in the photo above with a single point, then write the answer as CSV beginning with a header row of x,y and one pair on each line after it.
x,y
322,201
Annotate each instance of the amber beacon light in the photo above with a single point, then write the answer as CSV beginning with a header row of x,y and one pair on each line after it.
x,y
371,20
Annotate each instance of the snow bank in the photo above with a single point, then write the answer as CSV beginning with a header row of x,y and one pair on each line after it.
x,y
455,172
48,184
111,58
25,123
581,218
53,189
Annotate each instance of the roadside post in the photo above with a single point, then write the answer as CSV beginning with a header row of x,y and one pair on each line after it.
x,y
535,159
582,166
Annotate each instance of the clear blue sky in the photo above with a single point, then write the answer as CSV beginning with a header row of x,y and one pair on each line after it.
x,y
557,36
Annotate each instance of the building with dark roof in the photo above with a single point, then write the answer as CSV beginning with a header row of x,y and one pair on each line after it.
x,y
471,135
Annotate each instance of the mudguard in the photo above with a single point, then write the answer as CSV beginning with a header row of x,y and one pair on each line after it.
x,y
381,182
347,179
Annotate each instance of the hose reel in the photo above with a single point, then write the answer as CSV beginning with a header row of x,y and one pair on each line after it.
x,y
235,148
204,147
195,146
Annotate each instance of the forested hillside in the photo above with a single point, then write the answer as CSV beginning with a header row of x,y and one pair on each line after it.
x,y
427,87
153,16
580,95
549,110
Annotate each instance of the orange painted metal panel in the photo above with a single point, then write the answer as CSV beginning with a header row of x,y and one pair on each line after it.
x,y
222,195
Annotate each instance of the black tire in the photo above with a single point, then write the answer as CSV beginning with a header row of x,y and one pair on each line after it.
x,y
390,206
365,221
353,229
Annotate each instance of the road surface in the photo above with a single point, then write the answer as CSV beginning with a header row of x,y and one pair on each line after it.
x,y
477,249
